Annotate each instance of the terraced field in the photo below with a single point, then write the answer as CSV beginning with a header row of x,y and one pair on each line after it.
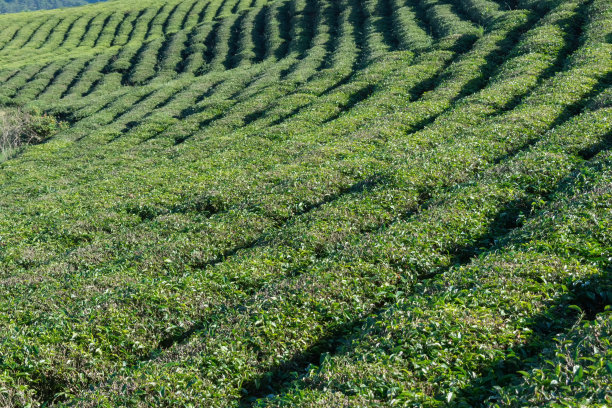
x,y
309,203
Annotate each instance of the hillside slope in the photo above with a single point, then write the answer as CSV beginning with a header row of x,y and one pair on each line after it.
x,y
13,6
320,203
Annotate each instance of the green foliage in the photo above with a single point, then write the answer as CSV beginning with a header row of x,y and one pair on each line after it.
x,y
576,370
307,203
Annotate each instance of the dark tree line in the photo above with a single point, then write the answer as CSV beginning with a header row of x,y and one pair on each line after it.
x,y
13,6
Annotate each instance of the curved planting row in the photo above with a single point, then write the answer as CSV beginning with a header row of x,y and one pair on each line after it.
x,y
308,203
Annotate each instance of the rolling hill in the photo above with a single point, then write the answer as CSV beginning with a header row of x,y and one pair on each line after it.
x,y
309,203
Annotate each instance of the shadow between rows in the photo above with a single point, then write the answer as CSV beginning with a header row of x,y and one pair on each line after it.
x,y
278,379
591,298
507,219
216,207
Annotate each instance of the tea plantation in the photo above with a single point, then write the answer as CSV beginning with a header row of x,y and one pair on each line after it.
x,y
308,203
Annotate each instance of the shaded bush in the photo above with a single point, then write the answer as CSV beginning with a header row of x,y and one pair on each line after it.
x,y
18,128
